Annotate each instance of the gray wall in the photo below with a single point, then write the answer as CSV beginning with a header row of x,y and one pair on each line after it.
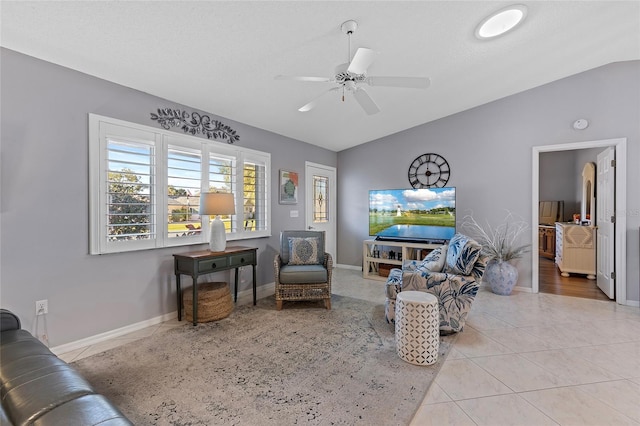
x,y
558,179
44,183
489,149
44,196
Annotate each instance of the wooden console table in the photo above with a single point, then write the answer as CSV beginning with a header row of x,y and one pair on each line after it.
x,y
202,262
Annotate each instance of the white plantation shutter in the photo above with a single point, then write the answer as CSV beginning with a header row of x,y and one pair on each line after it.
x,y
184,174
129,174
222,178
255,194
145,187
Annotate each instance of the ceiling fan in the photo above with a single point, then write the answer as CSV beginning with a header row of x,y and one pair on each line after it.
x,y
351,76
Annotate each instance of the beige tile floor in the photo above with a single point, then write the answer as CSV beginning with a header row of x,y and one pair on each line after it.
x,y
523,359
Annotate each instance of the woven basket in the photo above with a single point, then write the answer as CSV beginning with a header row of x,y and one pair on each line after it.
x,y
384,269
214,302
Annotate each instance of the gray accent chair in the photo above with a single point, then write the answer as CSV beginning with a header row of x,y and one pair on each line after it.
x,y
296,282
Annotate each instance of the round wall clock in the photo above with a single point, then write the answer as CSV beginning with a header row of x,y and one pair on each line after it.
x,y
429,170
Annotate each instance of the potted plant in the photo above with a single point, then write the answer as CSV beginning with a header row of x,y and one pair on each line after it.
x,y
501,245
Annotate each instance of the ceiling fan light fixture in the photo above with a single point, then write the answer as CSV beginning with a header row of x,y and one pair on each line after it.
x,y
501,22
351,75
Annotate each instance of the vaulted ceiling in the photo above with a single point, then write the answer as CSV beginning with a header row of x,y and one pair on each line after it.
x,y
222,56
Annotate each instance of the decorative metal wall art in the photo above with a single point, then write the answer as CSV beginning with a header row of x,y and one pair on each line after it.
x,y
195,123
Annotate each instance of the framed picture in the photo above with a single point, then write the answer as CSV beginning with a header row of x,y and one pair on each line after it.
x,y
288,187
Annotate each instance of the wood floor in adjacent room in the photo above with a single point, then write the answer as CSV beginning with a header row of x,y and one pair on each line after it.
x,y
576,285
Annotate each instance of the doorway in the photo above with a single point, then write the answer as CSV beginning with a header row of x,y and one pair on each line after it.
x,y
551,281
320,208
620,207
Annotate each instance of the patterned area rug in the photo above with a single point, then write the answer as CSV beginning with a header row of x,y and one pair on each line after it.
x,y
301,365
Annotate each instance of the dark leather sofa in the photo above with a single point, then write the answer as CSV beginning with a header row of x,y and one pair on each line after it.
x,y
38,388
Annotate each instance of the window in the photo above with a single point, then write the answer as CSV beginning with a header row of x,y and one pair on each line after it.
x,y
320,199
129,173
145,187
184,173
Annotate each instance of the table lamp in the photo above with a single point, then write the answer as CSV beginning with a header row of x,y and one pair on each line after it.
x,y
216,204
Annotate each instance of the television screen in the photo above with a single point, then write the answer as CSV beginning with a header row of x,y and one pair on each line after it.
x,y
426,214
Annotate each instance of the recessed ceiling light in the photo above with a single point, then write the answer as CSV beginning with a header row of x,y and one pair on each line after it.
x,y
501,22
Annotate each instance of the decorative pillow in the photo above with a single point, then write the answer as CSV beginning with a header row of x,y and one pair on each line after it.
x,y
434,261
462,254
303,251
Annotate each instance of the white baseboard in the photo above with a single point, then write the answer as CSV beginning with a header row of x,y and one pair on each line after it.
x,y
516,288
632,303
352,267
98,338
245,297
523,289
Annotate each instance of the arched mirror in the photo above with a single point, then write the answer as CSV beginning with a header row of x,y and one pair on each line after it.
x,y
588,208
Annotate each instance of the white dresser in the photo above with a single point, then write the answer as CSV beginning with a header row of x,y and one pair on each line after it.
x,y
576,249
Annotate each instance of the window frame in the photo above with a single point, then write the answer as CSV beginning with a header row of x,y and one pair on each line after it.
x,y
102,128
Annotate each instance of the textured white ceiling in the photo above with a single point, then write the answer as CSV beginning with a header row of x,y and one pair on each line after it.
x,y
222,57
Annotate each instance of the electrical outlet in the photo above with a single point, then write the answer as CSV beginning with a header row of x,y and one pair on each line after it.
x,y
42,307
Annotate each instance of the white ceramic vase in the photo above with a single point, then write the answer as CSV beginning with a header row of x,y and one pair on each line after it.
x,y
502,276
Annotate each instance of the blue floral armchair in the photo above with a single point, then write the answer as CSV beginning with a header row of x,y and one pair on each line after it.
x,y
451,272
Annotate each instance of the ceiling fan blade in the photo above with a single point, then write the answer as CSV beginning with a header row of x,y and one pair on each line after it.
x,y
365,101
314,103
408,82
361,60
300,78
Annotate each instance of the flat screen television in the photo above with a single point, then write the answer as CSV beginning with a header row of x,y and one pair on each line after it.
x,y
425,215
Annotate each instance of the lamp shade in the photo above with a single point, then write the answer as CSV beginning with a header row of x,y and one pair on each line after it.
x,y
217,203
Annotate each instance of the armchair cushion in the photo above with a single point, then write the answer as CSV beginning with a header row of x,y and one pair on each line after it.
x,y
303,251
462,254
412,281
435,260
303,274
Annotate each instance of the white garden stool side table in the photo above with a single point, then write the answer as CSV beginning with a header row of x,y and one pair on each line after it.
x,y
417,327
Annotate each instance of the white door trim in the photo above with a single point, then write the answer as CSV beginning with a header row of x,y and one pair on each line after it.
x,y
620,145
605,240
